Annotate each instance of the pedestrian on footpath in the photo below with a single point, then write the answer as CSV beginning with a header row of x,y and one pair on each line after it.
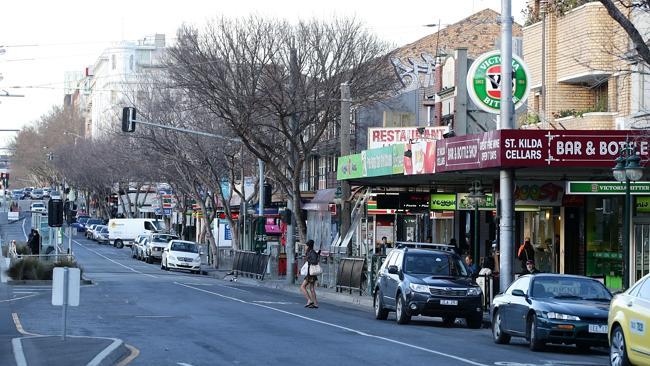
x,y
34,242
530,267
308,284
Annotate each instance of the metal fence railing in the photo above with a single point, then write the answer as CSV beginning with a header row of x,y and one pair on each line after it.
x,y
350,275
250,264
489,286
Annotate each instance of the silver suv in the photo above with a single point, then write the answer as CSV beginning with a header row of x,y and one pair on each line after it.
x,y
154,246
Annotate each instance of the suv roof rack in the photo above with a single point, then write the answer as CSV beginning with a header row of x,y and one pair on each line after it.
x,y
431,246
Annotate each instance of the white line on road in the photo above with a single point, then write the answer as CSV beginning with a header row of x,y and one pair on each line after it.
x,y
24,233
183,364
155,316
361,333
18,298
273,302
118,263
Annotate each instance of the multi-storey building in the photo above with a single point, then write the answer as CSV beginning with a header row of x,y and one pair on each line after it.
x,y
113,80
582,77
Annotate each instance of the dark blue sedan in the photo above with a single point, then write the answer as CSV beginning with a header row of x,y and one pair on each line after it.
x,y
552,308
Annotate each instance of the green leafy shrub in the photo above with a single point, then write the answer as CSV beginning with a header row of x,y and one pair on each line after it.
x,y
23,250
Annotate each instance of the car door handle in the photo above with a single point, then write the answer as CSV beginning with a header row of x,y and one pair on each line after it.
x,y
629,304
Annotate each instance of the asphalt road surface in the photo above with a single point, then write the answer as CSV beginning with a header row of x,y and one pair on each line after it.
x,y
176,318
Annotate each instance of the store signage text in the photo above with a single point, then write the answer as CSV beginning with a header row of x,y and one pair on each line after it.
x,y
538,193
384,136
443,201
601,188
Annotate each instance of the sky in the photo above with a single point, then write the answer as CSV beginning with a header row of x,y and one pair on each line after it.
x,y
42,39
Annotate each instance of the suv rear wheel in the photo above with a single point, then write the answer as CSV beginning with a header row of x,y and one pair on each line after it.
x,y
118,243
401,312
380,312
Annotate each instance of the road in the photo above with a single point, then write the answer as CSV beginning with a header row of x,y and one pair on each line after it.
x,y
175,318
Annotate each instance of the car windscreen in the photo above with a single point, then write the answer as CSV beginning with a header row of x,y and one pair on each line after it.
x,y
104,230
82,220
38,205
93,221
38,191
184,247
159,225
434,264
164,238
570,288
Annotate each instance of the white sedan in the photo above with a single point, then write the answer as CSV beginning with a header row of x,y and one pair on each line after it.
x,y
181,254
38,207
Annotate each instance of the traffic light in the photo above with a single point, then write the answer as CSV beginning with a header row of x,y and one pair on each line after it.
x,y
128,119
55,213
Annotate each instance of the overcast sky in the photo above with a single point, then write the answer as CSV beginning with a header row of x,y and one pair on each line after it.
x,y
45,38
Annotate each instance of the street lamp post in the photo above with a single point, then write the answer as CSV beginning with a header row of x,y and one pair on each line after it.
x,y
476,197
627,170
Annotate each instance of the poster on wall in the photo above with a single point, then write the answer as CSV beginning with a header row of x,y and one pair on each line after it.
x,y
386,231
419,158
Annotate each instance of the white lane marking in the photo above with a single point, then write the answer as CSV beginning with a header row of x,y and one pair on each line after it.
x,y
183,364
107,351
23,292
154,316
19,355
19,326
273,302
358,332
118,263
216,284
24,233
18,298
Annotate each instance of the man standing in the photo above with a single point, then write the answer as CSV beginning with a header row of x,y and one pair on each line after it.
x,y
34,242
530,267
471,267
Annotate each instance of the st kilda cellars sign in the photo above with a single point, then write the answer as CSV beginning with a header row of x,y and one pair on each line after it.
x,y
538,148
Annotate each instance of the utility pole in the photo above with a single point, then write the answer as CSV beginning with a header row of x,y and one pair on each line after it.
x,y
506,222
290,248
345,150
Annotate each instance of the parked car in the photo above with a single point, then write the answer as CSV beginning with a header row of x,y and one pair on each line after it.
x,y
181,254
123,231
629,319
554,308
137,248
429,282
55,195
89,231
154,246
46,192
95,232
101,234
79,224
89,222
38,207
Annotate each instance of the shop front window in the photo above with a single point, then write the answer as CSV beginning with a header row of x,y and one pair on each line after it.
x,y
542,227
604,236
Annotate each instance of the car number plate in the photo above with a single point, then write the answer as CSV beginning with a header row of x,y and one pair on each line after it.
x,y
595,328
448,302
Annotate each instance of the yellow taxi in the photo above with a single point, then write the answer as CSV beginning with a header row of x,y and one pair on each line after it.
x,y
629,326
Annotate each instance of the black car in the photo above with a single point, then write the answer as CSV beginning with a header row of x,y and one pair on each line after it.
x,y
427,282
552,308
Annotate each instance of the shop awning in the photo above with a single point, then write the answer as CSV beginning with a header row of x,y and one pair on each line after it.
x,y
321,200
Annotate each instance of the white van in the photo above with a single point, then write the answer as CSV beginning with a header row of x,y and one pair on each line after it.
x,y
124,231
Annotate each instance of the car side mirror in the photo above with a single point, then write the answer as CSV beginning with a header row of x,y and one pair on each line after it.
x,y
393,269
518,292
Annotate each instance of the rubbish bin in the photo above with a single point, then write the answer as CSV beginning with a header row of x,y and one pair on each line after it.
x,y
282,264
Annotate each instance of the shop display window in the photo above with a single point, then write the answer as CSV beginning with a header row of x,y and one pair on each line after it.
x,y
604,235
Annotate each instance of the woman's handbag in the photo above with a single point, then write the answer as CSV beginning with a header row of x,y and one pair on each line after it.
x,y
312,270
315,270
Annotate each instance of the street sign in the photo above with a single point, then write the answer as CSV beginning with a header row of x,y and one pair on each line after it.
x,y
59,286
484,82
607,187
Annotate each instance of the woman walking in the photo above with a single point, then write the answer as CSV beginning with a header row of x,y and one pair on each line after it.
x,y
312,258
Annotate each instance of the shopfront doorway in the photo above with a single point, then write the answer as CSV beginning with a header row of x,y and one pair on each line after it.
x,y
640,249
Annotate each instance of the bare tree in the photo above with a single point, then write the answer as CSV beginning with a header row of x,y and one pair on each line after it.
x,y
276,85
614,7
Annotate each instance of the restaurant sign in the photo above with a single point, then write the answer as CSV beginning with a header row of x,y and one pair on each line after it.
x,y
538,148
443,201
385,136
610,187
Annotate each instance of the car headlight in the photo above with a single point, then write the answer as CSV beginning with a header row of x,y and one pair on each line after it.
x,y
473,291
559,316
171,257
419,288
197,259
